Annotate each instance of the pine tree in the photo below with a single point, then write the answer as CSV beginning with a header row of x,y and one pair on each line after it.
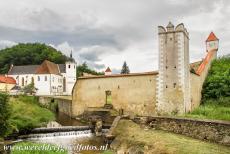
x,y
125,68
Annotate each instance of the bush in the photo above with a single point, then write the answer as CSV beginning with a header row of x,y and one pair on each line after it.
x,y
4,114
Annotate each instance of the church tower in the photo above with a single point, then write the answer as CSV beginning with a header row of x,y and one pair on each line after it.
x,y
173,85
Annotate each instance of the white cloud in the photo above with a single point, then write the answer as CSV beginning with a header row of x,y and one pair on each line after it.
x,y
6,44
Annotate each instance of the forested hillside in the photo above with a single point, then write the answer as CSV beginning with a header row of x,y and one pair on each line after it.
x,y
29,54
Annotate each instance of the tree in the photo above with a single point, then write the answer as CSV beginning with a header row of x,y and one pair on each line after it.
x,y
29,54
125,68
29,89
4,114
83,68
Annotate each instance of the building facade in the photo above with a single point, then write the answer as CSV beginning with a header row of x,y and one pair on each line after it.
x,y
173,79
174,89
48,78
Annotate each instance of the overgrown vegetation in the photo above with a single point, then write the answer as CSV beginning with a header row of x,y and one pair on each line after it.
x,y
29,54
83,68
27,114
44,148
129,134
216,92
4,114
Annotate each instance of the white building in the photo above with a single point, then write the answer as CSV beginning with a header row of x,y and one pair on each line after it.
x,y
48,78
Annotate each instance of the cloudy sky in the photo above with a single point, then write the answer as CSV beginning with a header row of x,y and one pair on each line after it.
x,y
107,32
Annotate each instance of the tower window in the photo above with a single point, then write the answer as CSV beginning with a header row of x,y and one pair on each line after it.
x,y
166,86
174,85
166,67
69,66
174,66
170,39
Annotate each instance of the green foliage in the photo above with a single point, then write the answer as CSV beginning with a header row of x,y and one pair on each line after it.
x,y
27,114
29,54
125,68
217,83
18,148
4,114
213,109
29,89
83,68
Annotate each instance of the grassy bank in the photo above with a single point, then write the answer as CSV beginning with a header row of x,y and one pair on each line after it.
x,y
154,141
26,114
218,109
19,148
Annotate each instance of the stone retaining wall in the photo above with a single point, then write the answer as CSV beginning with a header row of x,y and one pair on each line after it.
x,y
212,130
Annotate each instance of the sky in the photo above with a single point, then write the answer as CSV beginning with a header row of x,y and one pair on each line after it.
x,y
108,32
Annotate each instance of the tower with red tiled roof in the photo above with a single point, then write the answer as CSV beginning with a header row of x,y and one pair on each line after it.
x,y
212,42
108,71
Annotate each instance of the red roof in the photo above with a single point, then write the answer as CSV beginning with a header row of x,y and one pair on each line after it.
x,y
9,80
205,62
212,37
108,70
48,67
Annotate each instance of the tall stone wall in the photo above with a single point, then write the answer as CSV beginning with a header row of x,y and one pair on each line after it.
x,y
135,94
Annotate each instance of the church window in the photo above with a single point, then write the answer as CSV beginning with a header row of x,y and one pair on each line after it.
x,y
69,66
38,78
45,78
174,66
170,39
166,67
166,86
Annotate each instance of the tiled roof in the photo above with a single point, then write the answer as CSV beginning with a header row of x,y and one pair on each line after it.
x,y
211,37
62,68
205,62
48,67
9,80
26,69
108,70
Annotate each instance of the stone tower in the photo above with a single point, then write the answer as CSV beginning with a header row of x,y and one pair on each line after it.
x,y
173,85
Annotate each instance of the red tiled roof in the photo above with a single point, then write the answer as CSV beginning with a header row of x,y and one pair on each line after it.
x,y
205,62
108,70
212,37
48,67
9,80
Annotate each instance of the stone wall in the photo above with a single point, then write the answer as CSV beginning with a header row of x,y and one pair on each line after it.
x,y
211,130
64,106
134,93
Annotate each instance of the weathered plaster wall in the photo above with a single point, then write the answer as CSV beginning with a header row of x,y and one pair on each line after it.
x,y
212,130
64,106
135,94
5,87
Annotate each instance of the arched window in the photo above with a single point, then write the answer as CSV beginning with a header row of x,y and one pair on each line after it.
x,y
23,81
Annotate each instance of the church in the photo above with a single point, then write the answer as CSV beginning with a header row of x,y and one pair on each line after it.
x,y
49,79
174,89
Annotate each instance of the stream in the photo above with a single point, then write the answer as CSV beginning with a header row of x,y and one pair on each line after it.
x,y
82,141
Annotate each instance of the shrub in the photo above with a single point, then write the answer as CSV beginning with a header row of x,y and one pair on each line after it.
x,y
4,113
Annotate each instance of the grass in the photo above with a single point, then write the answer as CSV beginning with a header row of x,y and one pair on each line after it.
x,y
130,134
26,114
212,109
19,148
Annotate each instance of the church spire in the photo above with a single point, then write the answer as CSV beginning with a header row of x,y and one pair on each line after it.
x,y
71,55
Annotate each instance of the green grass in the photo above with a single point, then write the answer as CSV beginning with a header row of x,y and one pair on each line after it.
x,y
26,114
51,149
130,134
212,109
